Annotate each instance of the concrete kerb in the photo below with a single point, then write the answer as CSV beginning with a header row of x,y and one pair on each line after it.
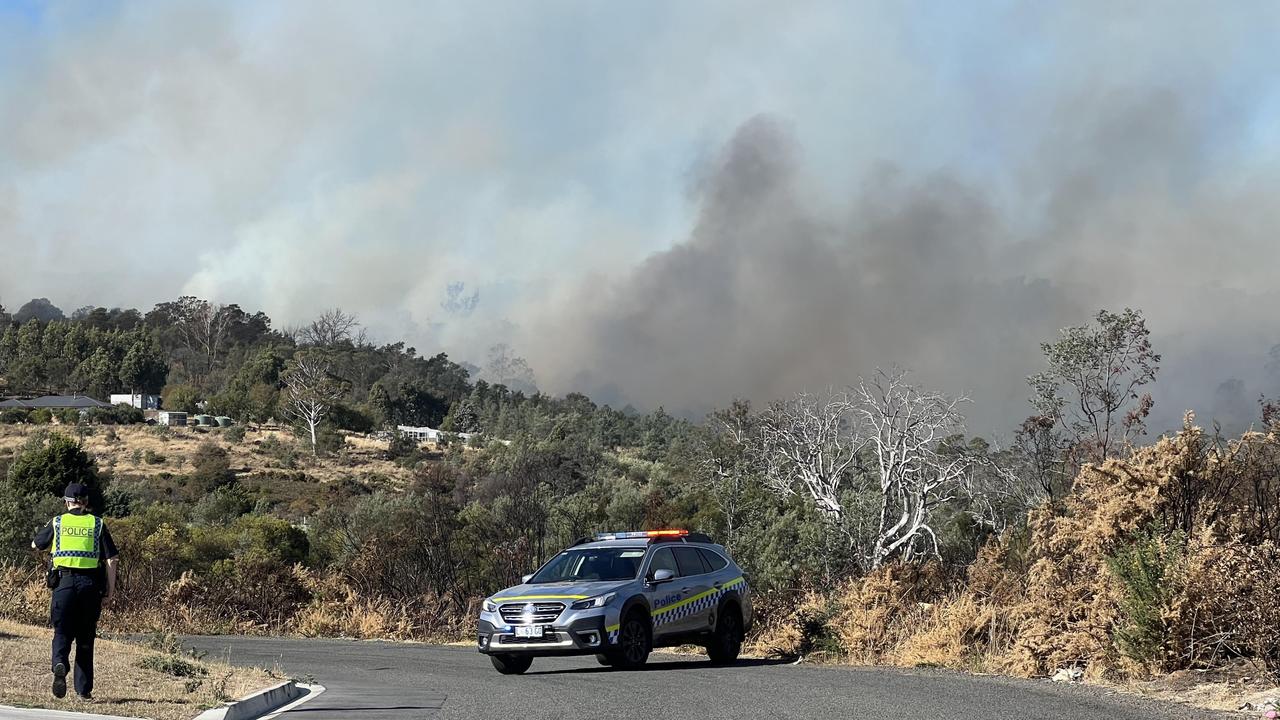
x,y
260,703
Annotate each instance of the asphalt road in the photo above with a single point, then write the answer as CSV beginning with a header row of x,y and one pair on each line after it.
x,y
380,681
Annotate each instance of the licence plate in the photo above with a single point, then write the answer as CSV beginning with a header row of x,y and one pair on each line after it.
x,y
532,631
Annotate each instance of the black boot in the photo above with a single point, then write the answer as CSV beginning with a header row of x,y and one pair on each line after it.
x,y
59,680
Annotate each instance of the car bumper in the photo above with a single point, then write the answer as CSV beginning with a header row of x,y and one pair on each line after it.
x,y
576,636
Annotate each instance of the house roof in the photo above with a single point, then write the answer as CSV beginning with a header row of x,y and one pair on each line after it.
x,y
55,401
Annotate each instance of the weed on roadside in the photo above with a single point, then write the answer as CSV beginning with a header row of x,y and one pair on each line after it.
x,y
175,666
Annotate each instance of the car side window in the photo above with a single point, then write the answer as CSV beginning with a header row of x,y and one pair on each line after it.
x,y
713,560
663,560
690,561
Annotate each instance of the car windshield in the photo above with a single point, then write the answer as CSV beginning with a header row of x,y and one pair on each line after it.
x,y
590,564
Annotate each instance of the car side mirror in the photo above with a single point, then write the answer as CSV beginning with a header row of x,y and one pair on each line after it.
x,y
526,578
660,576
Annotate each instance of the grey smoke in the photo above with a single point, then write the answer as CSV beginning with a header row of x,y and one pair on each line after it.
x,y
772,293
668,203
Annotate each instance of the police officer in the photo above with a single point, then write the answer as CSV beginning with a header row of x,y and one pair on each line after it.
x,y
84,558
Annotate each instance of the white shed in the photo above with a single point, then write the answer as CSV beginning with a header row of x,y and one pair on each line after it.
x,y
172,418
138,400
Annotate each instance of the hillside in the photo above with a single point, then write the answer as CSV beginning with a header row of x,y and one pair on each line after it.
x,y
266,461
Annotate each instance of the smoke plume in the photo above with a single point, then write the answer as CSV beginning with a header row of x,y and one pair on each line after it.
x,y
664,203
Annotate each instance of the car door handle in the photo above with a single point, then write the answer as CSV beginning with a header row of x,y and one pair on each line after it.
x,y
684,590
716,585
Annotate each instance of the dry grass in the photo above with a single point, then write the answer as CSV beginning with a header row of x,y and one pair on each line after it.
x,y
362,457
122,686
1223,688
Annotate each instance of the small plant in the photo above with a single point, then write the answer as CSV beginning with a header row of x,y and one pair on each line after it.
x,y
165,642
175,666
234,434
151,457
191,686
164,432
220,693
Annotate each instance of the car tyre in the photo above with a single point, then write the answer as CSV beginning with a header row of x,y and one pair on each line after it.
x,y
726,642
635,641
604,659
511,664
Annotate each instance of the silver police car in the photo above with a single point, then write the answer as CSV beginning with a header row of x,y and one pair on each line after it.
x,y
617,597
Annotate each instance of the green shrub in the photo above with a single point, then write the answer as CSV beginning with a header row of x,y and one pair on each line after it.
x,y
402,446
235,433
151,457
68,416
118,414
40,416
13,416
222,506
284,452
211,468
1149,571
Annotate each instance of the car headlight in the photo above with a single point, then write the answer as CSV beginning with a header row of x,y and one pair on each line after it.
x,y
598,601
490,606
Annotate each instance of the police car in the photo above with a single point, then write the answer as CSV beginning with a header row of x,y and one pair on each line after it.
x,y
617,597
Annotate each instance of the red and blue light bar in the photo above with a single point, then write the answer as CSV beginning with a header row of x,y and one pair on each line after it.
x,y
641,534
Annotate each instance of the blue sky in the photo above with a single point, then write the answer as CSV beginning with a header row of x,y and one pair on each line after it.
x,y
291,155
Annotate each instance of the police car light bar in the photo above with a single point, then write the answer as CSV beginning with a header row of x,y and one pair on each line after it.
x,y
641,534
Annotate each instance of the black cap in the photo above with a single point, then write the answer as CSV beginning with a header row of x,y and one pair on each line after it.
x,y
76,491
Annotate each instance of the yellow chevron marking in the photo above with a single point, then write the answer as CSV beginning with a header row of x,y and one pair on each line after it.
x,y
699,596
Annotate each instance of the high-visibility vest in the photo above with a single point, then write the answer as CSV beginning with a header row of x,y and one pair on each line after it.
x,y
75,541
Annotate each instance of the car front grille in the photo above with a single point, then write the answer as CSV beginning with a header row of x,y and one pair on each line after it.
x,y
530,613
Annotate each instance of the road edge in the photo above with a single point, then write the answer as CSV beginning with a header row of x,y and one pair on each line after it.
x,y
257,704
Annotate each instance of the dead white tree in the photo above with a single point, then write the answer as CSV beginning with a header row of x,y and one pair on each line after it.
x,y
333,327
202,326
810,444
310,392
905,429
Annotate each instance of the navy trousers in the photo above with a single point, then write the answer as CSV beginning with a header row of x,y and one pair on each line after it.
x,y
77,603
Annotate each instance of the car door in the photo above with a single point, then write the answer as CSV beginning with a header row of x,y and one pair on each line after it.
x,y
695,583
665,600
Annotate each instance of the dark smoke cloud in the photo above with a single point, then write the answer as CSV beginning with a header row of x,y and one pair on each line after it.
x,y
773,292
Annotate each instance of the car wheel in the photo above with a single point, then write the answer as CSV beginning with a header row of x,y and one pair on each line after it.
x,y
635,640
726,643
604,659
511,664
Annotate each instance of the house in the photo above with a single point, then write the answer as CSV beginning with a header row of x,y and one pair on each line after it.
x,y
141,401
422,434
56,402
172,418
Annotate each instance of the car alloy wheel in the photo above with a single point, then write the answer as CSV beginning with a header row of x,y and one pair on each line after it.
x,y
635,641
